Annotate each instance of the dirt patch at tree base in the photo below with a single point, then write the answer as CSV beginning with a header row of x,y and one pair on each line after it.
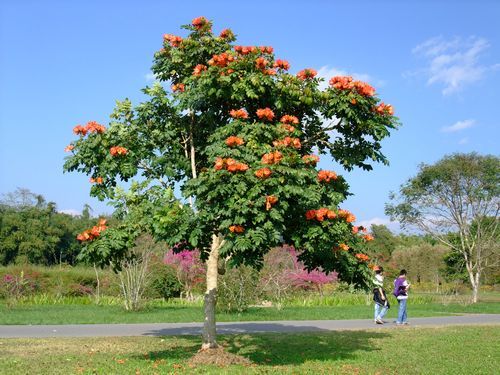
x,y
219,357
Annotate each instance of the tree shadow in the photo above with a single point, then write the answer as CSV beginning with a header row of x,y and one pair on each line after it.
x,y
280,345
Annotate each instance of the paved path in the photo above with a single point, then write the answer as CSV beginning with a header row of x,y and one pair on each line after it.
x,y
163,329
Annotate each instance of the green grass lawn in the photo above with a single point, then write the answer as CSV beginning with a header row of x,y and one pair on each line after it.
x,y
446,350
85,314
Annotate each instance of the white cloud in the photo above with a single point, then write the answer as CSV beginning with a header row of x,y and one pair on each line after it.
x,y
328,72
453,63
71,212
392,225
463,141
459,125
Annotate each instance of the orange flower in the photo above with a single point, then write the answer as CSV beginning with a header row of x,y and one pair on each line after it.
x,y
94,127
321,213
234,141
261,63
326,176
368,237
362,257
269,72
343,247
239,113
355,230
281,64
118,150
199,22
383,109
69,148
364,88
353,101
219,164
341,82
92,233
310,159
267,49
97,180
179,86
221,60
331,214
270,201
245,50
349,217
307,73
227,34
288,119
265,113
172,39
288,128
79,130
294,142
230,165
311,214
198,69
236,229
263,173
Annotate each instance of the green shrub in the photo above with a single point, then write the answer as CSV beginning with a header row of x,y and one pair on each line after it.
x,y
237,289
163,282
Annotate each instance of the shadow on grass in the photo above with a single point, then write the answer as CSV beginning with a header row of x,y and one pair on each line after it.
x,y
292,346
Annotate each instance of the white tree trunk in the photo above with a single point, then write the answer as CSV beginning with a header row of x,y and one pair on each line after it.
x,y
209,329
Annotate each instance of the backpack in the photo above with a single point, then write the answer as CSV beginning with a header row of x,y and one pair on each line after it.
x,y
399,287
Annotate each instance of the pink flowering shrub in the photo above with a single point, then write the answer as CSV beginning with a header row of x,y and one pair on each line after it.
x,y
190,270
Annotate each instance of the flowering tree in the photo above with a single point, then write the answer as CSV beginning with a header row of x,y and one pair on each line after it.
x,y
238,133
188,267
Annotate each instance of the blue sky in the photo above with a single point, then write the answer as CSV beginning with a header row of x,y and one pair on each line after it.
x,y
66,62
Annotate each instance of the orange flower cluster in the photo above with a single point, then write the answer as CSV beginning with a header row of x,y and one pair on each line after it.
x,y
355,230
221,60
118,150
236,229
368,237
97,180
383,109
342,82
364,88
261,63
288,119
269,72
354,101
343,247
281,64
91,127
270,201
326,176
180,87
174,40
294,142
263,173
266,49
348,216
234,141
362,257
307,73
346,83
288,128
69,148
93,233
198,69
321,214
265,113
239,113
230,164
94,127
226,34
272,157
310,159
199,22
244,50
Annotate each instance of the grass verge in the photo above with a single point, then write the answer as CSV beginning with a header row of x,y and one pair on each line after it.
x,y
88,314
446,350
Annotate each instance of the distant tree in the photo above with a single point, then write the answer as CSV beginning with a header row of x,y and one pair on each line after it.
x,y
383,244
459,194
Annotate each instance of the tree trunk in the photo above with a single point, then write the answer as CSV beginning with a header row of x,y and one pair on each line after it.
x,y
209,329
475,288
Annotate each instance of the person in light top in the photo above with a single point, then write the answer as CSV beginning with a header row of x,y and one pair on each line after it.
x,y
379,296
401,286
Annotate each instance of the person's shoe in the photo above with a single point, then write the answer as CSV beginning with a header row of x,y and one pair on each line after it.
x,y
406,323
378,321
